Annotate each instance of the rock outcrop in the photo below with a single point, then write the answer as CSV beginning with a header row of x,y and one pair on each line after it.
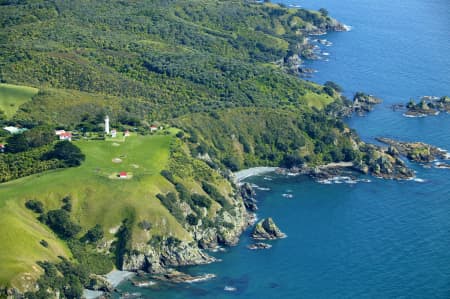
x,y
363,103
381,162
99,283
266,229
415,151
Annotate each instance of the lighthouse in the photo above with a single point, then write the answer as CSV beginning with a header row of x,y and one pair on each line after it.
x,y
107,124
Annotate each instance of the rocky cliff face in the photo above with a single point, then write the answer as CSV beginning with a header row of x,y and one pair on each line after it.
x,y
226,229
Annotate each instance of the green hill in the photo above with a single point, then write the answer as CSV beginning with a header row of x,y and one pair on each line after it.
x,y
12,96
98,197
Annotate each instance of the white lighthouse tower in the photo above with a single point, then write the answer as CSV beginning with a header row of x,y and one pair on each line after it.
x,y
107,124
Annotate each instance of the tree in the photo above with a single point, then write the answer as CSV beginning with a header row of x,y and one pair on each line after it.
x,y
328,90
67,152
35,206
290,161
94,234
323,12
17,143
59,221
191,219
39,136
333,85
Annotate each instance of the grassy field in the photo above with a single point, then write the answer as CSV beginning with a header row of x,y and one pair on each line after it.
x,y
12,96
98,196
318,101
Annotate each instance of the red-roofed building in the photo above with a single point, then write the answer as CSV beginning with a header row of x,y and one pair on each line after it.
x,y
65,136
123,175
153,128
59,132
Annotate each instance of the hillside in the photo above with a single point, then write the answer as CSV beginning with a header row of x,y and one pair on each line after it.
x,y
13,96
98,196
153,59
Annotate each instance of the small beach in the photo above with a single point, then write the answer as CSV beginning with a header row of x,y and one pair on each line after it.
x,y
115,277
246,173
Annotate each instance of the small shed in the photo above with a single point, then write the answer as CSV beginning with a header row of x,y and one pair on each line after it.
x,y
113,133
126,133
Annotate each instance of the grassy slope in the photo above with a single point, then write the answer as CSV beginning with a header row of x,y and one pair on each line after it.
x,y
12,96
96,199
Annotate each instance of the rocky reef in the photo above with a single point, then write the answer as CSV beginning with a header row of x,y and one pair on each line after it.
x,y
175,276
372,160
428,105
415,151
266,229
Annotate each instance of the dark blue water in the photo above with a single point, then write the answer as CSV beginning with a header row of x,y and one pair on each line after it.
x,y
378,239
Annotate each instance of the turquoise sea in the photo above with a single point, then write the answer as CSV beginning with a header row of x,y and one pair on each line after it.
x,y
376,238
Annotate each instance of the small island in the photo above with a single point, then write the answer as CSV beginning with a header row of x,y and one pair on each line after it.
x,y
266,229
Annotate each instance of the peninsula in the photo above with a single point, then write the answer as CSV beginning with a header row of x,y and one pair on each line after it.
x,y
192,91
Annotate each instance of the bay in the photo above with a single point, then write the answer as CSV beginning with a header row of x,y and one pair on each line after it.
x,y
376,238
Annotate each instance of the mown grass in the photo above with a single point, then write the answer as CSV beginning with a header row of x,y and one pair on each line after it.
x,y
96,199
12,96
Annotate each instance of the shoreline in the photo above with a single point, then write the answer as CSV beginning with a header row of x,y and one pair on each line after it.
x,y
253,171
115,277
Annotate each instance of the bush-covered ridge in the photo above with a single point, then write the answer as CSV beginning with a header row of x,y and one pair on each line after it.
x,y
152,59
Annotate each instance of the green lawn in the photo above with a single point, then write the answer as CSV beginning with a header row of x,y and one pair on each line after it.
x,y
12,96
97,197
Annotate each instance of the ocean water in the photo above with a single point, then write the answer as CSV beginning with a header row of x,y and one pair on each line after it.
x,y
370,239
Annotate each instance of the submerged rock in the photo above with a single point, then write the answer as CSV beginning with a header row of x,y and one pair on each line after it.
x,y
259,245
266,229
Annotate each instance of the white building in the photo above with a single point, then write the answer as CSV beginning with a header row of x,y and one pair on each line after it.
x,y
107,124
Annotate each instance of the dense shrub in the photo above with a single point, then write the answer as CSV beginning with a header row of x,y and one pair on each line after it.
x,y
201,200
35,206
94,234
59,221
